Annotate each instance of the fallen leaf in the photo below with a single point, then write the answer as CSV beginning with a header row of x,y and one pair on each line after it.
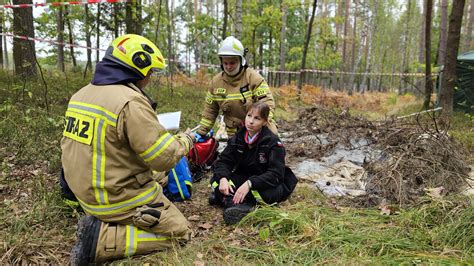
x,y
206,226
194,218
436,193
198,263
385,210
199,255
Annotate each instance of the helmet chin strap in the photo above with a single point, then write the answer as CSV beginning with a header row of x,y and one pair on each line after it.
x,y
235,72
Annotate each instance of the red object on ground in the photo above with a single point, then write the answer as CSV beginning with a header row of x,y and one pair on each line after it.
x,y
203,152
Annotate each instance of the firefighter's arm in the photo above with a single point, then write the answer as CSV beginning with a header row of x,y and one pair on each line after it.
x,y
209,114
276,170
262,93
149,139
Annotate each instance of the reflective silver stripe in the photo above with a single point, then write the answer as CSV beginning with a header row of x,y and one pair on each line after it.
x,y
160,144
141,199
131,240
98,170
93,110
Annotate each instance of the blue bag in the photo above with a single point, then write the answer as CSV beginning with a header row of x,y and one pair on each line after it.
x,y
180,185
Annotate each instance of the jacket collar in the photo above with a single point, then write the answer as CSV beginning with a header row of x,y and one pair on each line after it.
x,y
233,81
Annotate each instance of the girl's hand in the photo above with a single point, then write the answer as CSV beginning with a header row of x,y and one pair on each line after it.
x,y
224,187
241,193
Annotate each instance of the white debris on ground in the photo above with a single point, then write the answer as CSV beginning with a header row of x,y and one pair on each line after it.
x,y
469,189
340,173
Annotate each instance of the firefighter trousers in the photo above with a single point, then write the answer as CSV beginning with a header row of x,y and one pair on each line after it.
x,y
152,227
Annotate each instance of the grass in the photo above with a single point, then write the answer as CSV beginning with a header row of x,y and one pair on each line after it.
x,y
38,227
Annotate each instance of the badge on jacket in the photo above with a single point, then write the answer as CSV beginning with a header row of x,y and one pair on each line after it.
x,y
262,158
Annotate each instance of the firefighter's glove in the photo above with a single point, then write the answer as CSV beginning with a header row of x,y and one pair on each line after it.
x,y
147,216
199,137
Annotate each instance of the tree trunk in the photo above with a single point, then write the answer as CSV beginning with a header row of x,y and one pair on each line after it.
x,y
170,45
443,32
116,11
346,32
373,28
60,28
363,35
406,48
133,18
5,44
87,29
238,19
97,35
24,51
305,48
449,76
338,25
428,79
224,24
198,45
421,53
1,40
284,10
71,38
468,39
157,28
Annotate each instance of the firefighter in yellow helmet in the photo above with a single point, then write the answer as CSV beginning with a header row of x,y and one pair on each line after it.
x,y
111,142
233,90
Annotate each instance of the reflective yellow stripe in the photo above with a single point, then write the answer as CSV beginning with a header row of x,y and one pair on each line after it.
x,y
187,182
209,98
214,184
206,122
98,163
231,130
106,209
158,147
130,240
257,196
229,97
177,183
231,183
270,116
93,110
144,236
262,89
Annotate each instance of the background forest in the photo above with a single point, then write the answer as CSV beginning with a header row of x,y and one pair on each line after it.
x,y
362,36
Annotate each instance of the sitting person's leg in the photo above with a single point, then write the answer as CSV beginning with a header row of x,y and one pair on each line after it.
x,y
155,226
235,181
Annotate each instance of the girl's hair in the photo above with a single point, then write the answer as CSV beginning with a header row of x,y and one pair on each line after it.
x,y
262,108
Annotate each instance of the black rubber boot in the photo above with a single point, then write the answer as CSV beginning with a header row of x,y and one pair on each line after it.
x,y
212,199
233,215
87,234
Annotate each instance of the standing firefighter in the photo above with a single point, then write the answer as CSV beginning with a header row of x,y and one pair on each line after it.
x,y
233,90
111,143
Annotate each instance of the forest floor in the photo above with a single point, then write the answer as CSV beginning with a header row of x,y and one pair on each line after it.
x,y
382,189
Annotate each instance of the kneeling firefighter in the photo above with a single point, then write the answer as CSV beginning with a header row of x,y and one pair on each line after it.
x,y
112,141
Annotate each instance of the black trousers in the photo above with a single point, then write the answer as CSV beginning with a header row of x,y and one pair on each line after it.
x,y
270,195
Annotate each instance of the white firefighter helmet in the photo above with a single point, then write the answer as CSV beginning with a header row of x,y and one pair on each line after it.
x,y
231,46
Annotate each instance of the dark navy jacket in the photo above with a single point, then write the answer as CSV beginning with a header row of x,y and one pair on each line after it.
x,y
263,163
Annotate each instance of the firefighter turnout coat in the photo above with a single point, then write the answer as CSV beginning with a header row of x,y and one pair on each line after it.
x,y
111,142
233,95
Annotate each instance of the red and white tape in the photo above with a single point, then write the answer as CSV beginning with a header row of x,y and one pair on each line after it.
x,y
63,3
218,66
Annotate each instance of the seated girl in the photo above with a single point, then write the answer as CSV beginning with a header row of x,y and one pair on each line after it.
x,y
251,169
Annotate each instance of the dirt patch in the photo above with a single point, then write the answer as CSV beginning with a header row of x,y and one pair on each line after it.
x,y
414,154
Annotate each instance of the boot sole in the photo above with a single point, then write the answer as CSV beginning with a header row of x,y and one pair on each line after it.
x,y
234,215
